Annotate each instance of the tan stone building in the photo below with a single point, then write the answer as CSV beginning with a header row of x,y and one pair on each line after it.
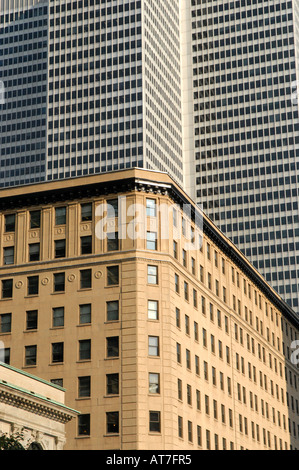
x,y
32,410
162,340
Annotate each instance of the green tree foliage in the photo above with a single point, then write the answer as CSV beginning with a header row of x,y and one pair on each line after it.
x,y
11,442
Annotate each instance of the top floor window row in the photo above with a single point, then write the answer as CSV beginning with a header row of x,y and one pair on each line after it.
x,y
111,208
60,215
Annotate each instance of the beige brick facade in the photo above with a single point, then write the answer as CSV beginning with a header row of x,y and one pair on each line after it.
x,y
207,366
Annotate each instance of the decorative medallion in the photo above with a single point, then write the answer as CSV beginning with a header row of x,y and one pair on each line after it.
x,y
98,274
71,278
19,284
45,281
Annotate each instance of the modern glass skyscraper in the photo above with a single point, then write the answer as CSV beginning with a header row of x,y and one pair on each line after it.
x,y
245,83
91,86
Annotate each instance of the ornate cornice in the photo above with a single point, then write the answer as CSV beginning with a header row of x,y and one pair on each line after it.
x,y
37,406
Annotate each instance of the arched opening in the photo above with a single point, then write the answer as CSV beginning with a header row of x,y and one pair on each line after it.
x,y
35,446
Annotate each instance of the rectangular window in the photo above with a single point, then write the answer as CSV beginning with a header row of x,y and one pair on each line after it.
x,y
177,283
190,433
154,383
186,291
86,212
85,278
201,274
57,352
58,317
59,282
196,331
60,215
59,248
112,241
154,421
178,317
197,365
208,439
210,281
85,314
194,298
113,310
178,353
198,403
204,337
112,344
8,255
31,319
207,405
151,207
188,359
153,345
6,358
175,250
199,436
32,285
184,258
112,275
84,387
84,349
193,266
175,217
112,208
7,288
187,325
30,355
183,226
153,310
189,394
219,318
112,383
205,370
35,219
10,223
180,390
86,245
203,305
34,252
84,425
151,241
5,323
112,419
58,382
208,251
180,426
152,275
